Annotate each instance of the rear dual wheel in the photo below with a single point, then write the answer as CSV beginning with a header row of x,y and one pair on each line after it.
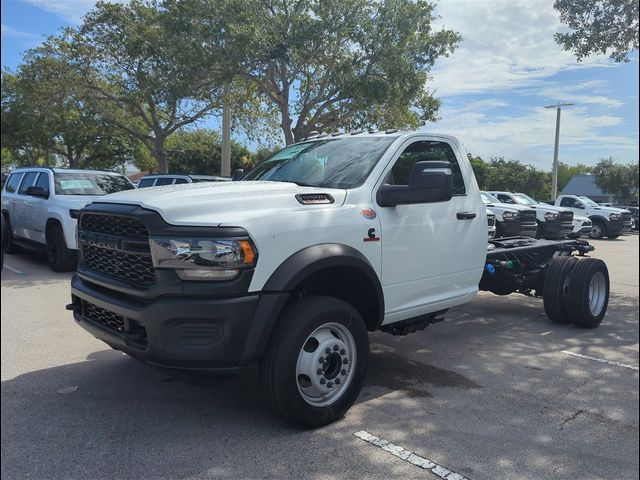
x,y
576,291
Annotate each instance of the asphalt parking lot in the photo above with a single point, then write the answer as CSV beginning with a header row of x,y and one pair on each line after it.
x,y
495,391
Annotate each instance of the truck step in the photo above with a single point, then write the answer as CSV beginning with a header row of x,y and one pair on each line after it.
x,y
413,325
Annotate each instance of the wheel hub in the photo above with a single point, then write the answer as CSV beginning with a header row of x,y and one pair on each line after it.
x,y
325,364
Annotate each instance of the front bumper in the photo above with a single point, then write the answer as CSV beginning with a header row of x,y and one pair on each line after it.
x,y
178,331
515,228
555,230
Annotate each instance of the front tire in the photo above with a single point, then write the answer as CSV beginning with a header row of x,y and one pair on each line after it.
x,y
60,258
613,236
316,361
598,230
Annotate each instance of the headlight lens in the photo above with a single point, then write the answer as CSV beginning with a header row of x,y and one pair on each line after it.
x,y
615,216
550,216
510,215
203,258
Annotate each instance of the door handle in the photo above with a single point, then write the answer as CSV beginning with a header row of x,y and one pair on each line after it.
x,y
466,215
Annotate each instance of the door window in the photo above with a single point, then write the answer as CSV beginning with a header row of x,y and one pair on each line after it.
x,y
43,181
12,182
164,181
426,151
505,198
146,182
570,202
29,178
181,180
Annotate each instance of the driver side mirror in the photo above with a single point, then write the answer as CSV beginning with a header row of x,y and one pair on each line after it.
x,y
237,175
580,206
429,182
35,191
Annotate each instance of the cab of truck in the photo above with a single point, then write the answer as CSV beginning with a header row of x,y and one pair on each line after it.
x,y
512,220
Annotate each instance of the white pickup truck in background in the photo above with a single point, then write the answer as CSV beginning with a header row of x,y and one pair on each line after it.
x,y
607,221
292,266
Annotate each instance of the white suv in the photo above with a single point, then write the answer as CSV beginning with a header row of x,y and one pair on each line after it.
x,y
39,206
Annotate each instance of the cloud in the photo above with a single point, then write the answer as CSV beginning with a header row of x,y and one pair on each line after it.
x,y
529,137
70,10
507,44
7,31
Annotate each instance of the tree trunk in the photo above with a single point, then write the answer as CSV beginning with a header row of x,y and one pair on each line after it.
x,y
160,154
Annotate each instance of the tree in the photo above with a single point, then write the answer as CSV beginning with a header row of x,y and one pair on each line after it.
x,y
336,63
513,176
480,170
199,152
133,58
617,179
599,26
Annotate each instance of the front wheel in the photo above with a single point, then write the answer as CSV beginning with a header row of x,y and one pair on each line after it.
x,y
316,361
598,230
60,258
613,236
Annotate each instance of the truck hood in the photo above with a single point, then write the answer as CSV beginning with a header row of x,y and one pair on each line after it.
x,y
223,203
549,208
508,207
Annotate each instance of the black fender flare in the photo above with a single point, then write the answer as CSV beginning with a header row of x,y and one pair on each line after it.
x,y
291,272
599,218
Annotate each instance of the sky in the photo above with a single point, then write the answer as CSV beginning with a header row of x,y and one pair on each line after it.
x,y
493,88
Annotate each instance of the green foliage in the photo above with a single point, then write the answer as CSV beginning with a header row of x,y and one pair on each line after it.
x,y
480,169
336,63
599,26
199,152
617,179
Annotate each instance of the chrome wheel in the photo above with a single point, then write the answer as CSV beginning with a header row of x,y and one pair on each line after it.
x,y
325,364
597,293
596,231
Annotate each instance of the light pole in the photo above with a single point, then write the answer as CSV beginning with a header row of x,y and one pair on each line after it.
x,y
554,174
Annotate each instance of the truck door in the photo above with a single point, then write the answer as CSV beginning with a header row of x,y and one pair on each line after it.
x,y
573,204
37,211
432,253
23,206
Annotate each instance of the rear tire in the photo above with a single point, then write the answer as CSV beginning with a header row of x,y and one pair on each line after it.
x,y
305,378
60,258
589,293
556,289
8,243
598,230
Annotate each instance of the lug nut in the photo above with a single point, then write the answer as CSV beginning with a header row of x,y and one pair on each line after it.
x,y
337,381
322,381
343,372
343,351
336,348
345,361
327,351
330,384
321,359
319,371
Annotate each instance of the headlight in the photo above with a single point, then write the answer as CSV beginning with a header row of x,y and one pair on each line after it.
x,y
615,216
510,215
550,216
203,258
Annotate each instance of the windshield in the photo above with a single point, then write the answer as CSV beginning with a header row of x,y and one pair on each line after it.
x,y
488,198
588,201
90,183
523,199
330,163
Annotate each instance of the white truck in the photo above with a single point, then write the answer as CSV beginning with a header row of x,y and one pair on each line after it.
x,y
39,206
511,219
606,221
291,267
553,222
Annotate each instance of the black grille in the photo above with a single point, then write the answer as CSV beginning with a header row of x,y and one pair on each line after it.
x,y
125,266
113,225
116,246
528,216
104,317
565,217
626,217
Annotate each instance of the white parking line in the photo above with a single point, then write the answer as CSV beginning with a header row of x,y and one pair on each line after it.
x,y
409,456
601,360
14,270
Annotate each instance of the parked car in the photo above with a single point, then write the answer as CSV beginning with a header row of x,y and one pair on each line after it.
x,y
634,214
511,220
491,223
553,222
39,206
386,233
607,221
174,179
581,226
